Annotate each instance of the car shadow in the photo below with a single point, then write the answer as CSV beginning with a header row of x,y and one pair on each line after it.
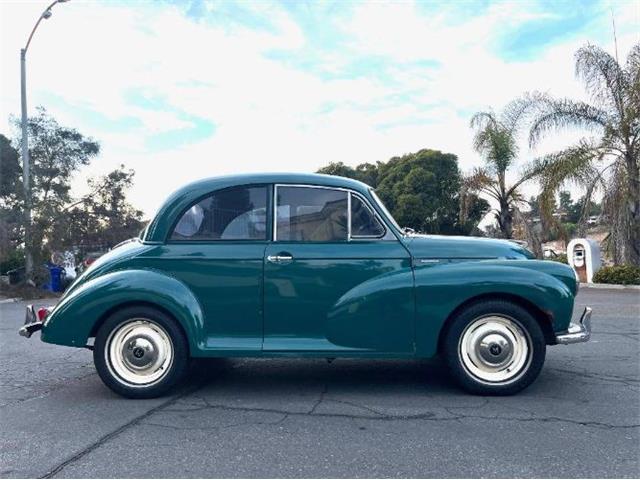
x,y
282,374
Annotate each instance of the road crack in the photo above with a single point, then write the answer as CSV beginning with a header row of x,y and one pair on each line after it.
x,y
380,416
320,399
109,436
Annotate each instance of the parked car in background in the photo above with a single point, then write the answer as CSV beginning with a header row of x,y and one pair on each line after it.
x,y
289,265
88,259
593,220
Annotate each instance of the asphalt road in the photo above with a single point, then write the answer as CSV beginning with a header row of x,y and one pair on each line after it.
x,y
308,418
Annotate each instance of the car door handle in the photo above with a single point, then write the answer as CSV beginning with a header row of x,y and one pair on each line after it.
x,y
279,258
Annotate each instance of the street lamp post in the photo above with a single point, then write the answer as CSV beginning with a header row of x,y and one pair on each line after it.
x,y
28,258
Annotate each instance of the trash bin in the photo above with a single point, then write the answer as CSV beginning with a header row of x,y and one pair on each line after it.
x,y
16,276
56,274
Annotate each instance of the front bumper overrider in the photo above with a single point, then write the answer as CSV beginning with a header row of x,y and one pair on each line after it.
x,y
577,332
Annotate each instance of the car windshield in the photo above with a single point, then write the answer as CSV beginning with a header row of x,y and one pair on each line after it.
x,y
386,212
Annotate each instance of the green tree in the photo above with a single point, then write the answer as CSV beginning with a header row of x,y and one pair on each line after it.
x,y
420,189
567,206
534,209
101,219
56,153
11,194
496,140
339,169
609,161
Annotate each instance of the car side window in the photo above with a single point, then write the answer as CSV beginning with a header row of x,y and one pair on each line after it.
x,y
238,213
310,214
363,222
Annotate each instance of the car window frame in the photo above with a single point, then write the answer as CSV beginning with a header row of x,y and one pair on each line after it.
x,y
375,216
349,192
268,224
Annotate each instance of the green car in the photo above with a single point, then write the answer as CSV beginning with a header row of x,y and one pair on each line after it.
x,y
295,265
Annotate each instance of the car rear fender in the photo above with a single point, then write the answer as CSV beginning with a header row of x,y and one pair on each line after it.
x,y
74,319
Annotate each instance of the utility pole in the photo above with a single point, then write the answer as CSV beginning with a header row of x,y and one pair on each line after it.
x,y
26,175
28,253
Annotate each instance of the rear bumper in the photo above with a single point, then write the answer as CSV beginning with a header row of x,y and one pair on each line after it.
x,y
577,332
31,323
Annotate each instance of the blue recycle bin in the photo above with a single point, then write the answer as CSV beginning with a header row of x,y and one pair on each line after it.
x,y
56,274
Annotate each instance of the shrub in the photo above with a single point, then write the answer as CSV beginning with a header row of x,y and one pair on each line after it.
x,y
13,260
618,274
562,258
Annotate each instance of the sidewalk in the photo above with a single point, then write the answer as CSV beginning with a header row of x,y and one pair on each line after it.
x,y
609,286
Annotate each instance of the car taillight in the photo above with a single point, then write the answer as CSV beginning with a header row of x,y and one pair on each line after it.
x,y
42,313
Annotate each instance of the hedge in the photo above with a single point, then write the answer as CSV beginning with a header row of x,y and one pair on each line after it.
x,y
618,274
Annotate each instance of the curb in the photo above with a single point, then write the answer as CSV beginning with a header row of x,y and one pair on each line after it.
x,y
609,286
9,300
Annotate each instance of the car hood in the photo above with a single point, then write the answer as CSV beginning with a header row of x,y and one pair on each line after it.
x,y
450,247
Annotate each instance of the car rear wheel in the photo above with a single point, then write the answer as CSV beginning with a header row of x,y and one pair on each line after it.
x,y
140,352
494,348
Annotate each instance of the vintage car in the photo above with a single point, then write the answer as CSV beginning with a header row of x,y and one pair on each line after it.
x,y
295,265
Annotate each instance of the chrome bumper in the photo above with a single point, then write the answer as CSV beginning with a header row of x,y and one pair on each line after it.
x,y
577,332
31,323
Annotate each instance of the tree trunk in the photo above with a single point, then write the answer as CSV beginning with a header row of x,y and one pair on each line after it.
x,y
632,250
505,220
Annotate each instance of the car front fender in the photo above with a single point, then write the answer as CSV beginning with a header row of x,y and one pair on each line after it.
x,y
74,318
442,287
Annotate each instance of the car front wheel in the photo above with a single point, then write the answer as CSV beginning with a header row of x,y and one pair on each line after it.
x,y
494,348
140,352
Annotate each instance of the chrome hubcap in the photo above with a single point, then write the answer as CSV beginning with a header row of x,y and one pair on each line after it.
x,y
495,349
139,352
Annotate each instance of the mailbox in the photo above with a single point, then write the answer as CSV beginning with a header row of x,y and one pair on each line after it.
x,y
583,255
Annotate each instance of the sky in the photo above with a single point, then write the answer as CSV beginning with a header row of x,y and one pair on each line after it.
x,y
182,90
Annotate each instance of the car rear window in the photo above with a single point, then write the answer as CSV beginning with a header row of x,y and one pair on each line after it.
x,y
238,213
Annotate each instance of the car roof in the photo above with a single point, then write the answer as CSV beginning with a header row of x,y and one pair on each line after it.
x,y
214,183
184,197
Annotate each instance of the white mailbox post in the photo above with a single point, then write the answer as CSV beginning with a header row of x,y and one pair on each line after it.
x,y
583,255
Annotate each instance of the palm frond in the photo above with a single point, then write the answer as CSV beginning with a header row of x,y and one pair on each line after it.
x,y
602,76
632,66
517,111
554,113
481,120
478,181
597,183
575,165
495,142
529,172
632,73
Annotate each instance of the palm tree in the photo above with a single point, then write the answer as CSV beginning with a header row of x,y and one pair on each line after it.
x,y
496,140
607,161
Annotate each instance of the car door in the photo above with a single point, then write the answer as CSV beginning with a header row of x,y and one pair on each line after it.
x,y
335,279
217,249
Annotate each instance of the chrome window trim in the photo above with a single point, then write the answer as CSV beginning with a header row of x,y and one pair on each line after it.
x,y
368,206
348,216
274,236
386,214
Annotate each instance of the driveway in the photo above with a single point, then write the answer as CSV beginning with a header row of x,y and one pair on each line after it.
x,y
308,418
